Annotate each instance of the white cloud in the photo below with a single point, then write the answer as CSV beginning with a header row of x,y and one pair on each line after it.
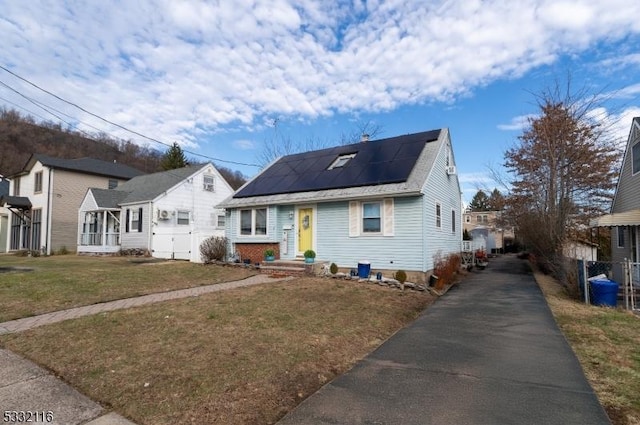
x,y
177,69
244,145
518,123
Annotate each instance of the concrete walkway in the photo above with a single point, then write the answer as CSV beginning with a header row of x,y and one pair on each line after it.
x,y
73,313
26,387
488,352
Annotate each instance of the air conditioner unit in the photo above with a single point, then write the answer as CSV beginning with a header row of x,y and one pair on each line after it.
x,y
451,169
163,214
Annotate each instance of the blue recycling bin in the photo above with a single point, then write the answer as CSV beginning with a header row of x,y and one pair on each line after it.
x,y
604,292
364,269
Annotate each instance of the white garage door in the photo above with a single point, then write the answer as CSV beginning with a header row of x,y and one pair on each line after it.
x,y
172,244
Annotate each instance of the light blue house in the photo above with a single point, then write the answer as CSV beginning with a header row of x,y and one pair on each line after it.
x,y
394,202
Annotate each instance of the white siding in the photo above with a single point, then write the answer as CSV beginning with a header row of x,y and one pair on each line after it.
x,y
189,196
133,238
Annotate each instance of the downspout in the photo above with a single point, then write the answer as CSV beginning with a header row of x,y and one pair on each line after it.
x,y
49,215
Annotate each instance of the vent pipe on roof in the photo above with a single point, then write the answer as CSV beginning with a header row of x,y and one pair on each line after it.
x,y
364,138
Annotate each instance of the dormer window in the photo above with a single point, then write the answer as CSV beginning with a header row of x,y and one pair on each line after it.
x,y
341,161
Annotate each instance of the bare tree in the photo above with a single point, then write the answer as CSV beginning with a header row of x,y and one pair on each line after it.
x,y
369,129
563,173
280,144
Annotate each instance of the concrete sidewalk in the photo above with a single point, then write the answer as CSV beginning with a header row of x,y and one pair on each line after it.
x,y
26,387
488,352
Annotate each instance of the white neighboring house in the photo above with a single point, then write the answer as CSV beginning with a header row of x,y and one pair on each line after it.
x,y
168,213
4,214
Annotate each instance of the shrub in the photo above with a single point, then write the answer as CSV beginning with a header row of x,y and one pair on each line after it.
x,y
213,249
309,253
269,252
333,268
445,268
401,276
63,250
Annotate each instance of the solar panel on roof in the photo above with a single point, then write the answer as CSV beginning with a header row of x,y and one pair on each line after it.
x,y
377,162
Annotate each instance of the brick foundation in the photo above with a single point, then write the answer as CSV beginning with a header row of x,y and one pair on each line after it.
x,y
255,251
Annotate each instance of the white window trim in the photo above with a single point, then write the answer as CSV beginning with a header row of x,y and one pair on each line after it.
x,y
253,223
224,218
132,228
341,161
381,218
35,182
178,212
209,187
356,218
438,217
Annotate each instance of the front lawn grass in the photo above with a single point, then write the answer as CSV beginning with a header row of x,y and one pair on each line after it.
x,y
243,356
65,281
607,343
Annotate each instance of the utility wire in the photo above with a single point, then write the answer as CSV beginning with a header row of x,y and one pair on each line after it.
x,y
118,125
23,108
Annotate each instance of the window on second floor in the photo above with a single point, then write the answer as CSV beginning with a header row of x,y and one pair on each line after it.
x,y
208,183
438,215
16,186
113,183
37,182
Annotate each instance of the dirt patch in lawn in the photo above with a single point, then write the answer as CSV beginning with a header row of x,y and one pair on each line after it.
x,y
607,343
244,356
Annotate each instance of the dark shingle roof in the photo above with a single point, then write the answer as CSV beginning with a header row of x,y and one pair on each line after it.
x,y
90,166
20,202
150,186
376,162
108,198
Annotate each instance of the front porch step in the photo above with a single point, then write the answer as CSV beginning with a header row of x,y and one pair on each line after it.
x,y
292,268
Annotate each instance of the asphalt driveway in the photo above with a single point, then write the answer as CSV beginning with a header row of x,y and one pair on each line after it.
x,y
488,352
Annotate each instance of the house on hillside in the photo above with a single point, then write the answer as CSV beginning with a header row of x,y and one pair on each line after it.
x,y
168,213
394,202
45,195
624,219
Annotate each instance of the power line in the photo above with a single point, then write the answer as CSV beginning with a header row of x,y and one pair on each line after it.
x,y
23,108
118,125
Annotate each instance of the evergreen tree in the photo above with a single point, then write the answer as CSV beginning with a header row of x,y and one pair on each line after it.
x,y
174,158
480,202
496,201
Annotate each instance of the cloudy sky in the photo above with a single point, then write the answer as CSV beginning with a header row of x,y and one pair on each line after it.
x,y
216,76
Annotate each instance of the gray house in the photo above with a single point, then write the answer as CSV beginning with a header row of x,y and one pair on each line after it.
x,y
45,195
394,202
624,219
